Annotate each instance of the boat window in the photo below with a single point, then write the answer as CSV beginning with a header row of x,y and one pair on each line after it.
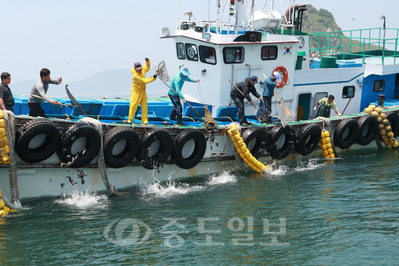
x,y
348,92
269,53
233,55
207,54
191,52
379,85
181,53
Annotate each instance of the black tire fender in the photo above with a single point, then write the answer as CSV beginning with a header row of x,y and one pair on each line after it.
x,y
80,144
256,139
308,139
155,148
393,119
368,128
346,133
189,147
121,145
37,140
282,142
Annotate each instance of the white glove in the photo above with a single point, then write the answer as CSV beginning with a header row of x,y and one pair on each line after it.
x,y
196,80
315,108
183,100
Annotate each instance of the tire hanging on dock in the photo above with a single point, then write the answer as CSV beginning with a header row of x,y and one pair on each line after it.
x,y
37,140
346,133
368,128
155,148
308,139
256,140
121,145
282,142
189,147
80,144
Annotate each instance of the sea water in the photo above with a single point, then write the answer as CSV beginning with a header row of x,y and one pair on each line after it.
x,y
305,211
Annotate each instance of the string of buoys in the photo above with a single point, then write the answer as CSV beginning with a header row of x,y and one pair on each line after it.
x,y
385,130
326,145
4,148
243,151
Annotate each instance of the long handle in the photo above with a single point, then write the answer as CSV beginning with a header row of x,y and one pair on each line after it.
x,y
195,111
67,105
241,92
353,94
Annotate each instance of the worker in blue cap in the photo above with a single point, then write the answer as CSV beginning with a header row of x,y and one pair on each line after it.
x,y
242,90
268,91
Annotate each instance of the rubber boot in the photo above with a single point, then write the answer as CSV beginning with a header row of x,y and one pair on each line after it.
x,y
179,120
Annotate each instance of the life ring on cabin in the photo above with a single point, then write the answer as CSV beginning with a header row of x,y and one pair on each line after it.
x,y
256,139
282,142
121,145
189,147
346,133
37,140
308,139
368,128
284,76
393,119
80,144
155,148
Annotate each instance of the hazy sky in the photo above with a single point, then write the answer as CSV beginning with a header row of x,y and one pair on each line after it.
x,y
78,38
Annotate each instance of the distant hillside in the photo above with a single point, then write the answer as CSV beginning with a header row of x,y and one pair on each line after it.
x,y
323,21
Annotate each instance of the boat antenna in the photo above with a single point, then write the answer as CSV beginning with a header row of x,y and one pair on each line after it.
x,y
178,14
252,14
209,10
264,4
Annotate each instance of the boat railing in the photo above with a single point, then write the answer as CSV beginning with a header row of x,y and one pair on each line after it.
x,y
380,43
217,27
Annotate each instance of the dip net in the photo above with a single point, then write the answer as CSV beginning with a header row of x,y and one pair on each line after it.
x,y
74,102
287,114
162,72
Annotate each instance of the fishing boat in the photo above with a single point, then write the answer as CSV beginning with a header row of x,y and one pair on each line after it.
x,y
87,145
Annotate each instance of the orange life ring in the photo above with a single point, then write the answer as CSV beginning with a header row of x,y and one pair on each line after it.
x,y
284,76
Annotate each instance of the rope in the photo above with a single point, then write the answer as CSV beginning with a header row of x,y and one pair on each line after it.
x,y
101,163
12,168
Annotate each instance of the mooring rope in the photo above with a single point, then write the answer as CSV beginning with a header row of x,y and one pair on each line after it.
x,y
100,159
12,167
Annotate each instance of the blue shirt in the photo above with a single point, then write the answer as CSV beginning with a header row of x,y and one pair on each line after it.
x,y
177,84
268,87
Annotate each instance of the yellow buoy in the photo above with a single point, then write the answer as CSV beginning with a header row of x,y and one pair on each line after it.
x,y
368,110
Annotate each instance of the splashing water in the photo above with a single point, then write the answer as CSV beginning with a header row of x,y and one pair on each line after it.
x,y
279,170
223,178
169,189
83,199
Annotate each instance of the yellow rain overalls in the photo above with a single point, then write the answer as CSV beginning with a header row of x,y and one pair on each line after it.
x,y
138,94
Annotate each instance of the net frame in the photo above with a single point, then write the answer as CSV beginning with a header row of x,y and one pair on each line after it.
x,y
162,71
74,102
262,114
287,114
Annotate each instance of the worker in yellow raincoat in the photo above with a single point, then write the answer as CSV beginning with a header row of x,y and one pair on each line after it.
x,y
138,95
